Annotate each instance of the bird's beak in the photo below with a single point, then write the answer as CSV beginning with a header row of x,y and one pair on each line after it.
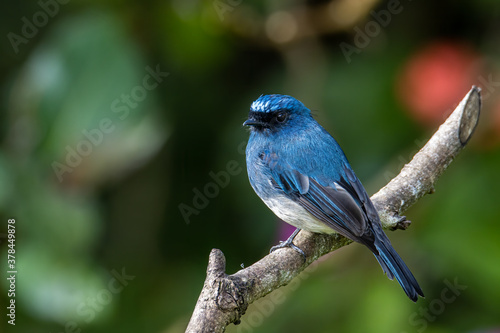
x,y
252,122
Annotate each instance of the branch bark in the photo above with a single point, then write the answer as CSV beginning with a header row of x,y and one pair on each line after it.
x,y
225,298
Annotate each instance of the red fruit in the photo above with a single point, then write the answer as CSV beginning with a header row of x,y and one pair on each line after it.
x,y
435,79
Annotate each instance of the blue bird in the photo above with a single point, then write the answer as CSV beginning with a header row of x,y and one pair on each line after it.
x,y
300,172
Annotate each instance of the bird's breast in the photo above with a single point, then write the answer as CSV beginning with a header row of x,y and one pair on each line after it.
x,y
294,214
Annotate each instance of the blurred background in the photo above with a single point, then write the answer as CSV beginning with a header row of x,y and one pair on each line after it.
x,y
122,157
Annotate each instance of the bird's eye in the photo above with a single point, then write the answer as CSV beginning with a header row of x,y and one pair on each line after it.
x,y
281,116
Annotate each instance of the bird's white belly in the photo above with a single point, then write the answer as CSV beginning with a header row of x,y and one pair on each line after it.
x,y
292,213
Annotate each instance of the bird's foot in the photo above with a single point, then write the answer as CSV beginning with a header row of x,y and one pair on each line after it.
x,y
289,243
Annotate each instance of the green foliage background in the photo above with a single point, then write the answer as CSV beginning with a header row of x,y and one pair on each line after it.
x,y
117,208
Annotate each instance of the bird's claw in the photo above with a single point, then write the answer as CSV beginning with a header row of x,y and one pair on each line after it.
x,y
289,243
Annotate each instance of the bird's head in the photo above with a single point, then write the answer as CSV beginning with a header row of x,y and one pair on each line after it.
x,y
275,112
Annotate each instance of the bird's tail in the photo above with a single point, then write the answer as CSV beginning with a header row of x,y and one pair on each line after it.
x,y
394,266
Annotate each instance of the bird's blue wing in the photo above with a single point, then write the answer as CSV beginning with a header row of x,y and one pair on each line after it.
x,y
343,205
350,181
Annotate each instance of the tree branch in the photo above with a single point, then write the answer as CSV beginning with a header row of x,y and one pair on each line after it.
x,y
225,298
